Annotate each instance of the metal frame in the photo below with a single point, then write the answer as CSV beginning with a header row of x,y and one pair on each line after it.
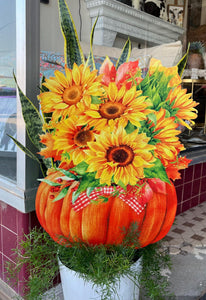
x,y
21,194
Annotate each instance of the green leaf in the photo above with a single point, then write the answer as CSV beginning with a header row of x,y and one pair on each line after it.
x,y
48,162
88,181
49,182
152,118
157,171
32,118
156,100
62,194
183,61
96,100
105,199
67,178
43,88
68,174
75,195
84,185
80,168
25,150
66,156
90,60
120,183
89,190
130,128
72,49
125,55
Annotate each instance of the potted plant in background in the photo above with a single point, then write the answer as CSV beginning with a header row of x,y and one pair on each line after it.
x,y
109,144
196,55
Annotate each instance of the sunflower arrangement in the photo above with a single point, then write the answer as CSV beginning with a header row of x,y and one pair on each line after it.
x,y
121,127
109,149
106,134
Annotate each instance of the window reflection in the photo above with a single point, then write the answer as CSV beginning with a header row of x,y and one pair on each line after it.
x,y
7,88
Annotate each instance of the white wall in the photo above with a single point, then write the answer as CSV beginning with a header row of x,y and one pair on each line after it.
x,y
51,38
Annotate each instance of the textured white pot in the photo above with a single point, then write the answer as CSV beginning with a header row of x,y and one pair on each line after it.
x,y
75,288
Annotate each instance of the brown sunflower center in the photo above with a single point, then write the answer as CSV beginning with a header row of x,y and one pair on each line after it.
x,y
123,155
110,110
82,137
72,95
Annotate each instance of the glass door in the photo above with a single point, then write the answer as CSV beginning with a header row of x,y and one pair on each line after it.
x,y
7,88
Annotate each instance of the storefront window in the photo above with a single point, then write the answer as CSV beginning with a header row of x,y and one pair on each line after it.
x,y
7,88
19,53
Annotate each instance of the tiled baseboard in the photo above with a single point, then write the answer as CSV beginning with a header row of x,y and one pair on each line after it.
x,y
7,293
191,188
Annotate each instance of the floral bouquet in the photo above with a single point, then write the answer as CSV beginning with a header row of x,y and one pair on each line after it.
x,y
109,151
109,139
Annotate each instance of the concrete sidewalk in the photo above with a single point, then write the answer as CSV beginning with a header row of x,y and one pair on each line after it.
x,y
188,275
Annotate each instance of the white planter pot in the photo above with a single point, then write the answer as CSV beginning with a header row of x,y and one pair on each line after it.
x,y
74,287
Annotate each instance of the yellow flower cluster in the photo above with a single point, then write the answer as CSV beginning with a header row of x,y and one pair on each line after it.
x,y
117,122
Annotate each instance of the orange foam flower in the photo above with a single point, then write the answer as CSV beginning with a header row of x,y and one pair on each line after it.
x,y
172,169
48,151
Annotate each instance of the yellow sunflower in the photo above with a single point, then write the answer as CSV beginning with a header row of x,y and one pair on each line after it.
x,y
185,106
119,156
67,92
168,145
117,108
72,139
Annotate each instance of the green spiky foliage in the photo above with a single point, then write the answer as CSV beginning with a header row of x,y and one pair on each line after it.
x,y
156,87
183,61
90,60
125,55
72,49
34,122
197,47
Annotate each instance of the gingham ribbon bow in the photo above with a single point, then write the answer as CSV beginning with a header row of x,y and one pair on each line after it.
x,y
134,201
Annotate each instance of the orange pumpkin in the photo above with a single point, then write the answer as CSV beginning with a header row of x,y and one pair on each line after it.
x,y
102,223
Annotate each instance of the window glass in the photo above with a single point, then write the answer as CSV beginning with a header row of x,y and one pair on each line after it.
x,y
7,88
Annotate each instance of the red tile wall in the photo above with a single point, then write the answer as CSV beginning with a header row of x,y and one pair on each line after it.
x,y
191,188
13,225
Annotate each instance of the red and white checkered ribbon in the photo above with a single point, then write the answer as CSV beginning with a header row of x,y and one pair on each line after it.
x,y
133,200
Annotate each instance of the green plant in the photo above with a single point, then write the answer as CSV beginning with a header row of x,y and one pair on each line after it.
x,y
197,47
100,264
154,259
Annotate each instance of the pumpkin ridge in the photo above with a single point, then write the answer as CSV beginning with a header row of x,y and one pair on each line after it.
x,y
94,230
156,207
41,201
114,228
161,227
75,225
65,212
170,212
52,212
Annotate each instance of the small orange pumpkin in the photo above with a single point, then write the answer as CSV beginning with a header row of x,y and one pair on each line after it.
x,y
102,223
